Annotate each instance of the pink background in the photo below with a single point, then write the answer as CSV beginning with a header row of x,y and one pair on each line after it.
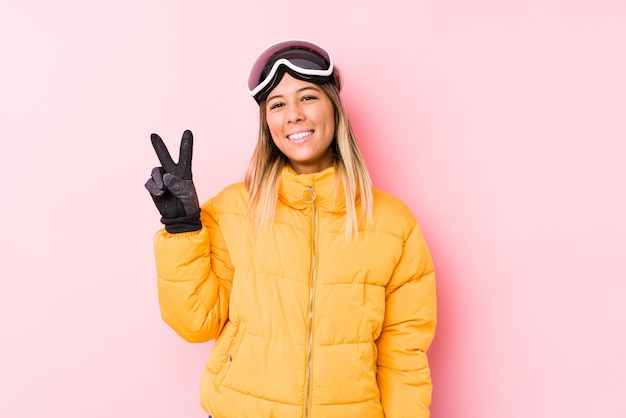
x,y
501,124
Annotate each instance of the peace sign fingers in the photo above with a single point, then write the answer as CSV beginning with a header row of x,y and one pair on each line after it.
x,y
172,188
181,169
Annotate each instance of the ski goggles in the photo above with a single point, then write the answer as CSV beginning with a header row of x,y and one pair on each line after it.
x,y
302,59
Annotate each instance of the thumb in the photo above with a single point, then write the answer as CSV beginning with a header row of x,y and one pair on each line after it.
x,y
183,190
177,186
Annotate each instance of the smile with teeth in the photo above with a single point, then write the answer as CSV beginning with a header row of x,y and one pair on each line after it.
x,y
299,135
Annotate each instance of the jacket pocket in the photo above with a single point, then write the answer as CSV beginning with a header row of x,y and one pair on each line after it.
x,y
230,354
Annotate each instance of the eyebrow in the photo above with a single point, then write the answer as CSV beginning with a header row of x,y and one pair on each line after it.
x,y
297,91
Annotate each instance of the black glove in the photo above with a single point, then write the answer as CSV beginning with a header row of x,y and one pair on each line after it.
x,y
172,189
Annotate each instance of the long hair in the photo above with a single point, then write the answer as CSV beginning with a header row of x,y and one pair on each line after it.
x,y
263,174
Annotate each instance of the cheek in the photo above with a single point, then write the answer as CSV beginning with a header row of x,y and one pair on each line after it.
x,y
330,122
328,115
273,125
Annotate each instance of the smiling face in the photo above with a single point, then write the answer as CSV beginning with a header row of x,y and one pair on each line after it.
x,y
301,119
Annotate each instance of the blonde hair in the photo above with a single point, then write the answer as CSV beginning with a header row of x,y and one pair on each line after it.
x,y
263,175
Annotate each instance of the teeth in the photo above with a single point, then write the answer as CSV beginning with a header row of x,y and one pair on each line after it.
x,y
300,135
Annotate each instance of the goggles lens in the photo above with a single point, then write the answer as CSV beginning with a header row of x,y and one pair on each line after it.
x,y
304,60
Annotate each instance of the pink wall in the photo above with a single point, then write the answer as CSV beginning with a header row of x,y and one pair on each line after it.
x,y
502,125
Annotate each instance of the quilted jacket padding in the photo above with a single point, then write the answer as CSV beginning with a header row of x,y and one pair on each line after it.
x,y
307,323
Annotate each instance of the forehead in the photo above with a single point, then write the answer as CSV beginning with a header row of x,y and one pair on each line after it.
x,y
289,84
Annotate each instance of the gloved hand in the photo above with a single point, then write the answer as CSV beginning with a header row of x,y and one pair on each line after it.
x,y
171,187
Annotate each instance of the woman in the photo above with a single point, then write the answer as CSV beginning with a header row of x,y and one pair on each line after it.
x,y
318,288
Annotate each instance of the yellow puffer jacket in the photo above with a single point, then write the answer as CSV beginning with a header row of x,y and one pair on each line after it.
x,y
307,323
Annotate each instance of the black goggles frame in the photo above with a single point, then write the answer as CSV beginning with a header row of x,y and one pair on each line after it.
x,y
301,59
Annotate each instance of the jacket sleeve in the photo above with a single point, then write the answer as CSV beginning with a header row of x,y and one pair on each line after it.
x,y
194,279
408,329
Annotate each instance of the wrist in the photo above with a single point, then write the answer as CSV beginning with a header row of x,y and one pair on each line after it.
x,y
183,223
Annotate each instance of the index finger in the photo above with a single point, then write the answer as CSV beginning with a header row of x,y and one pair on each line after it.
x,y
161,151
184,157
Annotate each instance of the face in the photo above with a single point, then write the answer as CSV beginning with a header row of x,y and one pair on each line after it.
x,y
301,119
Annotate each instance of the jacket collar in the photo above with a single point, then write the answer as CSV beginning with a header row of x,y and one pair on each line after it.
x,y
326,185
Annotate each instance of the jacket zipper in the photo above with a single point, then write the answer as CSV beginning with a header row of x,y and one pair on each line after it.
x,y
311,199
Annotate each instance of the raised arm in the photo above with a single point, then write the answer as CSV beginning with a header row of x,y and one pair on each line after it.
x,y
193,266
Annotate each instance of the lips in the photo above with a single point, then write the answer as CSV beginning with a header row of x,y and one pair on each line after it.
x,y
299,135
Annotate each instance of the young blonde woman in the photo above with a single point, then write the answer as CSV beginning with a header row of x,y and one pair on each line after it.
x,y
318,288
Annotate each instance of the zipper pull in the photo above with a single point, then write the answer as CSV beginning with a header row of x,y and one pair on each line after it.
x,y
307,195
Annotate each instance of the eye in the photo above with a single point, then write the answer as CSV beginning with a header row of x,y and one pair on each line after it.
x,y
308,97
276,105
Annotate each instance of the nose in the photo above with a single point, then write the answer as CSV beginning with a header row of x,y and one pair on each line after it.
x,y
295,113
